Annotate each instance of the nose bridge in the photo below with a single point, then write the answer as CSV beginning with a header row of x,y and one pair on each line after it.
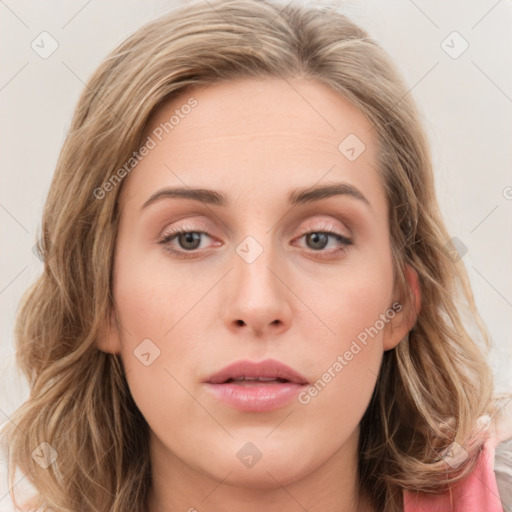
x,y
257,297
256,258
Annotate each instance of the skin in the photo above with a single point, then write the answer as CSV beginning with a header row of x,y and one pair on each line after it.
x,y
255,141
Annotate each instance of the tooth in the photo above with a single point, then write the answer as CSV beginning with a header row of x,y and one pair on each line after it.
x,y
255,379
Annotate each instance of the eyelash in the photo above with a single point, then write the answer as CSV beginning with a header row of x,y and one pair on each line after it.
x,y
169,236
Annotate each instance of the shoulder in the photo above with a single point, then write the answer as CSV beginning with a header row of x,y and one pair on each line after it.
x,y
503,455
489,486
503,472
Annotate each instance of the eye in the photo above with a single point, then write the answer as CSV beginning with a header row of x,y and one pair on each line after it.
x,y
188,241
318,241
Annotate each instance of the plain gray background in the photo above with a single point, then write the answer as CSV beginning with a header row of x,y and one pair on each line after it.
x,y
465,100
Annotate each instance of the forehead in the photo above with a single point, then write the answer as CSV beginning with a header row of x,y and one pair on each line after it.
x,y
257,134
299,108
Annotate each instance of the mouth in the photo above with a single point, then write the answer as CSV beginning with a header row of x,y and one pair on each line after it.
x,y
259,381
247,373
256,387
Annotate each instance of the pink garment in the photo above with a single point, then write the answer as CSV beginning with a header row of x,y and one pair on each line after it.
x,y
476,493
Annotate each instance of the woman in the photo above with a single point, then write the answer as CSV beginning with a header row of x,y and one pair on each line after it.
x,y
248,298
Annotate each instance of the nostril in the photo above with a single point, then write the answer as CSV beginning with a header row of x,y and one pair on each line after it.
x,y
240,322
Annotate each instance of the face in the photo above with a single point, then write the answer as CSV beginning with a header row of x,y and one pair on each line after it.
x,y
265,268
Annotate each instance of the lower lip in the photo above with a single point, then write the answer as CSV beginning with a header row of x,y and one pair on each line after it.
x,y
256,397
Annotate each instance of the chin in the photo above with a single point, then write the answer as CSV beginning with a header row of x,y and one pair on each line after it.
x,y
266,467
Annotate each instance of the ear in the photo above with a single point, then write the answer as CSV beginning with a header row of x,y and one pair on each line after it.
x,y
109,339
406,312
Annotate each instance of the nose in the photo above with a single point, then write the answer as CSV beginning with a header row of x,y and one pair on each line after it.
x,y
257,296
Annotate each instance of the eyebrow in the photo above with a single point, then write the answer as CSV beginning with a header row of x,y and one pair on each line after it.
x,y
296,197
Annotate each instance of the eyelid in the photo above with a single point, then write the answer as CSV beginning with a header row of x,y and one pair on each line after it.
x,y
170,233
310,225
328,226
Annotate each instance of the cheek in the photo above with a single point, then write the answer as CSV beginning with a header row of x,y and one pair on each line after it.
x,y
355,309
348,301
152,297
158,347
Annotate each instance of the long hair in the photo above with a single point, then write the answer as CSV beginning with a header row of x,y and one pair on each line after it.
x,y
432,387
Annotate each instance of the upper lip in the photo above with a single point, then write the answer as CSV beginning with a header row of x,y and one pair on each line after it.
x,y
269,368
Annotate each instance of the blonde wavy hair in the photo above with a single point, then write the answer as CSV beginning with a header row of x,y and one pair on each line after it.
x,y
432,387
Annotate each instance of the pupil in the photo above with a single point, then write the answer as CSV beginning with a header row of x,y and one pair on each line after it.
x,y
193,238
318,239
